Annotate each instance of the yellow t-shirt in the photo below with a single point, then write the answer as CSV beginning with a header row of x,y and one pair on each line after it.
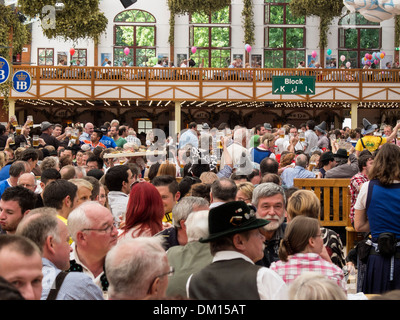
x,y
65,221
371,143
167,217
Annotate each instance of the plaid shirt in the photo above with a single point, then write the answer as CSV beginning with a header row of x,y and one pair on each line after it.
x,y
308,262
355,185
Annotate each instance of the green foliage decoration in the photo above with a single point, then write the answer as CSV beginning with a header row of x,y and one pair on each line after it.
x,y
182,7
80,19
13,34
248,22
325,9
397,31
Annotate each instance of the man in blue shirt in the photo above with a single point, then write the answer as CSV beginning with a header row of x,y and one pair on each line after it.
x,y
105,139
189,136
55,257
299,171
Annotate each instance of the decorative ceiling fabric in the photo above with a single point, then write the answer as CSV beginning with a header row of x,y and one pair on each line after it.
x,y
374,10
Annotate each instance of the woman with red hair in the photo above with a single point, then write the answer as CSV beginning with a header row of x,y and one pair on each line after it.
x,y
144,213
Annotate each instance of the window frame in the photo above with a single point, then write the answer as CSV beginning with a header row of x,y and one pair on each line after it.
x,y
210,48
284,26
45,57
360,50
133,48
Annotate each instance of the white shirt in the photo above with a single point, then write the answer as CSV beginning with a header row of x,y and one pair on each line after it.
x,y
240,156
85,270
361,202
270,285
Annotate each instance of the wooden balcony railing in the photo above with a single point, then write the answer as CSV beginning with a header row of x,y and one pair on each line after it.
x,y
205,84
206,74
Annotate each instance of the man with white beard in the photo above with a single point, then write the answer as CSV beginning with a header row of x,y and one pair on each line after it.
x,y
270,201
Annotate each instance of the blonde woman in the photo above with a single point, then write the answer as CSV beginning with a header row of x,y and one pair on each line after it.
x,y
245,192
315,286
265,149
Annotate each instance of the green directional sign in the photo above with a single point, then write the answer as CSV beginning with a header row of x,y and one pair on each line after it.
x,y
293,85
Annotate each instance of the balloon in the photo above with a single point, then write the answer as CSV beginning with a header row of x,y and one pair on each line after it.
x,y
382,55
245,46
342,58
369,56
72,51
329,52
376,61
374,55
126,51
314,54
248,49
348,64
194,49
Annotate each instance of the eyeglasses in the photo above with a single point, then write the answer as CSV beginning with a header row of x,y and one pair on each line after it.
x,y
135,182
107,229
27,185
169,273
318,235
243,199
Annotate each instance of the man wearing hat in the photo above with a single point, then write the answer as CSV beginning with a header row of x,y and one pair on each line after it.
x,y
371,142
323,141
236,244
105,139
205,127
268,128
327,161
346,166
47,130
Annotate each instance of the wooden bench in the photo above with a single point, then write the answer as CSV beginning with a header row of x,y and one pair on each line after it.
x,y
334,195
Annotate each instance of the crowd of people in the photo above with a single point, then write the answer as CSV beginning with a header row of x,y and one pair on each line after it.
x,y
211,214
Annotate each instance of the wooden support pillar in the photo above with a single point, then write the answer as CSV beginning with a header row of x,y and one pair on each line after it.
x,y
96,53
11,108
178,116
354,115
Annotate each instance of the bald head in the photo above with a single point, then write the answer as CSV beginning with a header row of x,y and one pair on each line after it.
x,y
28,181
301,160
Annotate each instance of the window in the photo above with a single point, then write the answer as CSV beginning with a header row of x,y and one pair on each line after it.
x,y
136,30
45,57
212,42
81,55
284,36
144,125
358,36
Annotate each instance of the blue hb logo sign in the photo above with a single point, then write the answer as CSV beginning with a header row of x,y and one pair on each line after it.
x,y
22,81
4,70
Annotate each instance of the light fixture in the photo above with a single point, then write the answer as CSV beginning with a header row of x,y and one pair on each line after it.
x,y
127,3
